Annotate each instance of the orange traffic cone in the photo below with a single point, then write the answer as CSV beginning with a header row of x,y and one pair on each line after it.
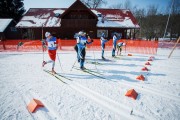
x,y
132,93
144,69
140,77
147,63
34,104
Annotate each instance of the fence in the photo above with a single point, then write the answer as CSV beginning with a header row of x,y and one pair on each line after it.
x,y
133,46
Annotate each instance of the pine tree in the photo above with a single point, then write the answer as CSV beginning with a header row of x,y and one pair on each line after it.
x,y
12,9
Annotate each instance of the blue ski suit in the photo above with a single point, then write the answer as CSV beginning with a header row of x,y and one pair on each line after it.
x,y
119,47
115,39
103,41
81,45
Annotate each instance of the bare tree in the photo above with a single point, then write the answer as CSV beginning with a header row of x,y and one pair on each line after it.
x,y
151,22
174,25
117,6
125,5
94,3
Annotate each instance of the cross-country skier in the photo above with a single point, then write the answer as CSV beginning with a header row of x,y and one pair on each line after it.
x,y
19,44
119,47
52,45
82,40
115,39
103,41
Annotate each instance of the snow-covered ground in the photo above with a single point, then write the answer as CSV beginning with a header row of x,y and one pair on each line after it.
x,y
88,97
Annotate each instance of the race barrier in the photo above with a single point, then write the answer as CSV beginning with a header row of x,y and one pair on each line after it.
x,y
132,46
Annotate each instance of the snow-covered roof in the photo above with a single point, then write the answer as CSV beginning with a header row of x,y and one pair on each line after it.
x,y
4,23
50,17
115,18
38,17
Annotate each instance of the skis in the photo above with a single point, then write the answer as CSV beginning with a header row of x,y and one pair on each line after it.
x,y
93,62
64,77
105,60
58,76
90,72
116,57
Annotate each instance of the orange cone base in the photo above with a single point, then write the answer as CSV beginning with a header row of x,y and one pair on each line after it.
x,y
147,63
132,93
34,104
140,77
150,59
129,54
144,69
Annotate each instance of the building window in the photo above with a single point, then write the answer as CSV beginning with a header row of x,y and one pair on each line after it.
x,y
99,33
57,14
13,29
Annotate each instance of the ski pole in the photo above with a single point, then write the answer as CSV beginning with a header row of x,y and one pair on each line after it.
x,y
73,65
59,61
75,60
94,56
42,43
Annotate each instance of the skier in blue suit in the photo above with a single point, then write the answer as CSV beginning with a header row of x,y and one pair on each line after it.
x,y
115,39
119,47
103,41
82,40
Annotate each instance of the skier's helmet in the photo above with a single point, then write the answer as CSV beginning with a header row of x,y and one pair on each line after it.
x,y
47,34
103,34
81,33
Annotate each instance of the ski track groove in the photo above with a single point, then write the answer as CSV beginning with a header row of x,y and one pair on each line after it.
x,y
102,100
48,112
149,90
153,91
48,108
106,102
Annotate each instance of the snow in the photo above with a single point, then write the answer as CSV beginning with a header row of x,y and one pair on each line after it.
x,y
50,18
88,97
115,20
126,23
38,17
53,21
59,11
4,23
37,21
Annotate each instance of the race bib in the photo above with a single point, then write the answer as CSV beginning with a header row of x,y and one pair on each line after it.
x,y
51,44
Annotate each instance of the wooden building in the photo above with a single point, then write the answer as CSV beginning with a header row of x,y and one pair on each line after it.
x,y
65,22
8,29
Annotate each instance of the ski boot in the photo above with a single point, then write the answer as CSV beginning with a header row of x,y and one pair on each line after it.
x,y
44,63
103,58
53,72
82,68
